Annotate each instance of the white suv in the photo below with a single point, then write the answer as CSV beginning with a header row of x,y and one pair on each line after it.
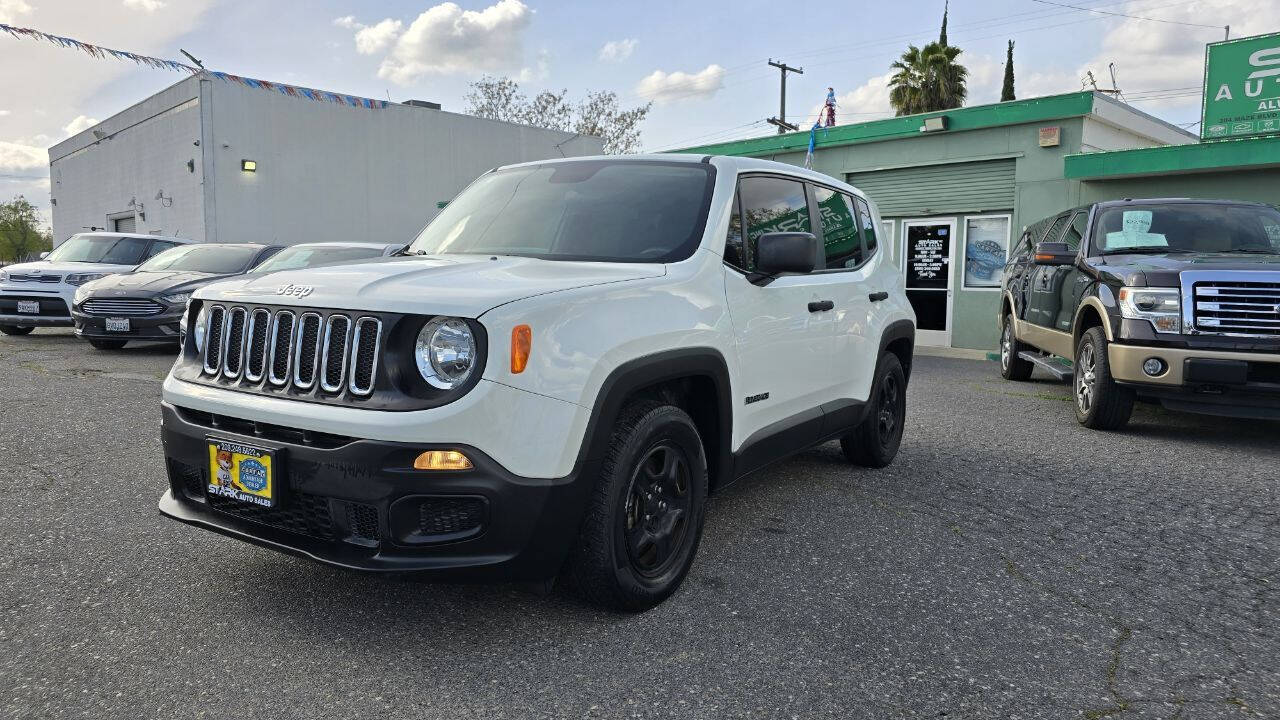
x,y
568,359
40,294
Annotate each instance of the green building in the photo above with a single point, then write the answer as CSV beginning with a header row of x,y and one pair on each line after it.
x,y
954,187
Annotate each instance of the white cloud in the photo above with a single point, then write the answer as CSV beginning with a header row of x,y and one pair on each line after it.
x,y
11,9
541,69
663,87
618,50
79,125
872,97
447,39
16,156
144,5
348,22
375,39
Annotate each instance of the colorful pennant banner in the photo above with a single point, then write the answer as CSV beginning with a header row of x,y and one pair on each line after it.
x,y
101,53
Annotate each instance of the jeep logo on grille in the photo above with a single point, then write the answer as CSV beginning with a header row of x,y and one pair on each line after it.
x,y
295,290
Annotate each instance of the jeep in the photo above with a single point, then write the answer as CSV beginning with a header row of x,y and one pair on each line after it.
x,y
1171,301
550,379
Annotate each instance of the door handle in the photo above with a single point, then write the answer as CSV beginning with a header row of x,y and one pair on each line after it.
x,y
878,296
821,305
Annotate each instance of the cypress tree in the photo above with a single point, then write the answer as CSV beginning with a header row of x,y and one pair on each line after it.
x,y
942,36
1006,92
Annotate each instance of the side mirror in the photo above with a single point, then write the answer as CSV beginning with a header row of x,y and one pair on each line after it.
x,y
44,255
781,252
1054,253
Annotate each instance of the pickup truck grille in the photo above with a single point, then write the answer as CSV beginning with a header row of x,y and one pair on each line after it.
x,y
122,307
1234,307
292,349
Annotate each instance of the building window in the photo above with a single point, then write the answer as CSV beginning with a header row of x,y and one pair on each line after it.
x,y
986,247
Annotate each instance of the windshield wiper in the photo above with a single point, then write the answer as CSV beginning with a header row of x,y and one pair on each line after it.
x,y
1253,251
1149,251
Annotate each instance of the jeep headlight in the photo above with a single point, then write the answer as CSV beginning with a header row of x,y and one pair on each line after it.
x,y
202,324
1162,307
445,352
82,278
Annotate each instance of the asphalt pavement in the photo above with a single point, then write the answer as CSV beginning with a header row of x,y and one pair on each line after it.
x,y
1010,564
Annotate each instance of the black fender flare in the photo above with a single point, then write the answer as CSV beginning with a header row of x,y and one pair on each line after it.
x,y
642,372
898,330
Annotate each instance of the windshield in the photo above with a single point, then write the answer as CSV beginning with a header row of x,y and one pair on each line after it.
x,y
1187,227
305,257
603,210
214,259
100,249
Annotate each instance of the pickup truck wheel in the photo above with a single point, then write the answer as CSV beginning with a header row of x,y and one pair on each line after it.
x,y
107,344
1101,404
16,329
644,519
1012,367
875,441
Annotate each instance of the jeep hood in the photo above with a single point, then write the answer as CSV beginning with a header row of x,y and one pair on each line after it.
x,y
462,285
1162,270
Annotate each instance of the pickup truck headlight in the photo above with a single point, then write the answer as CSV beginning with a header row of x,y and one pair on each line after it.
x,y
445,352
82,278
1162,307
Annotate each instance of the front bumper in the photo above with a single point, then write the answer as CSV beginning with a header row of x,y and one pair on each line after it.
x,y
359,504
54,310
164,326
1216,382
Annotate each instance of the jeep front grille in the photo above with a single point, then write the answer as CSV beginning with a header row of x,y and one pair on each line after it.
x,y
1237,307
297,350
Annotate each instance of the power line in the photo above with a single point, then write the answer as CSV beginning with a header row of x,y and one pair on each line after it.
x,y
1124,15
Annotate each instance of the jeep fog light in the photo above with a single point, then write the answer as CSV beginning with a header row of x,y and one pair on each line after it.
x,y
1153,366
445,352
442,460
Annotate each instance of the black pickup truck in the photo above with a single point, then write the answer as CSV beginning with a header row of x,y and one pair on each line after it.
x,y
1175,301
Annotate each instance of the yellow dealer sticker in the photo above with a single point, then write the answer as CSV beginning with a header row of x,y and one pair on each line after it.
x,y
241,472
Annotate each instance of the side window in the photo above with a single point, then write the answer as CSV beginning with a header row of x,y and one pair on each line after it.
x,y
1075,230
840,237
771,204
159,246
733,250
1023,249
1055,230
868,225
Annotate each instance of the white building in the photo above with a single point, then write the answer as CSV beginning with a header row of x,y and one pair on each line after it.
x,y
220,161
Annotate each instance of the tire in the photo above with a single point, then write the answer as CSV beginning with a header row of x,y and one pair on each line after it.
x,y
1012,367
106,344
874,442
637,543
1100,403
16,329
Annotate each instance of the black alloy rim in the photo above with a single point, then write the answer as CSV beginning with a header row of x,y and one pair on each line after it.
x,y
657,509
888,410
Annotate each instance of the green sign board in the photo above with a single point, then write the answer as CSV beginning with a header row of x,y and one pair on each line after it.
x,y
1241,88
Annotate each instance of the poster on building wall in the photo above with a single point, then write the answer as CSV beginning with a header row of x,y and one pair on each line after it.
x,y
1241,88
928,256
986,245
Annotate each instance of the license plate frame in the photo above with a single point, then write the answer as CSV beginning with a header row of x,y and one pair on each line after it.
x,y
28,307
242,472
118,325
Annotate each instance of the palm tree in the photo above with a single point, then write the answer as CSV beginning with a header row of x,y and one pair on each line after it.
x,y
928,79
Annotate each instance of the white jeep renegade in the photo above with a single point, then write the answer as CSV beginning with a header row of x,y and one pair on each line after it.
x,y
550,380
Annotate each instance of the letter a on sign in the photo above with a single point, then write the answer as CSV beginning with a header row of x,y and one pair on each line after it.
x,y
1224,93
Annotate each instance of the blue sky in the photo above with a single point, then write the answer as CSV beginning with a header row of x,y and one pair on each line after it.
x,y
702,63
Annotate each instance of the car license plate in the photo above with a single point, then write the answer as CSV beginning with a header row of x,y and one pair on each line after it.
x,y
118,325
242,472
30,307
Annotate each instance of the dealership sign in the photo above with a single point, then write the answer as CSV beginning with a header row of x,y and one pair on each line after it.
x,y
1241,88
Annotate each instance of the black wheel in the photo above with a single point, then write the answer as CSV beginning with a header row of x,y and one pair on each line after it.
x,y
1101,404
16,329
874,443
107,344
644,520
1012,367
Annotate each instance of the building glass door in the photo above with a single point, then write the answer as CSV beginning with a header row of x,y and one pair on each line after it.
x,y
928,250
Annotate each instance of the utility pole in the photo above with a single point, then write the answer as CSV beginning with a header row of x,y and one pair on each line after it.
x,y
781,120
1227,28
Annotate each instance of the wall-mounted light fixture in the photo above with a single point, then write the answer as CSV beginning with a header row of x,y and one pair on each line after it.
x,y
249,165
934,124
